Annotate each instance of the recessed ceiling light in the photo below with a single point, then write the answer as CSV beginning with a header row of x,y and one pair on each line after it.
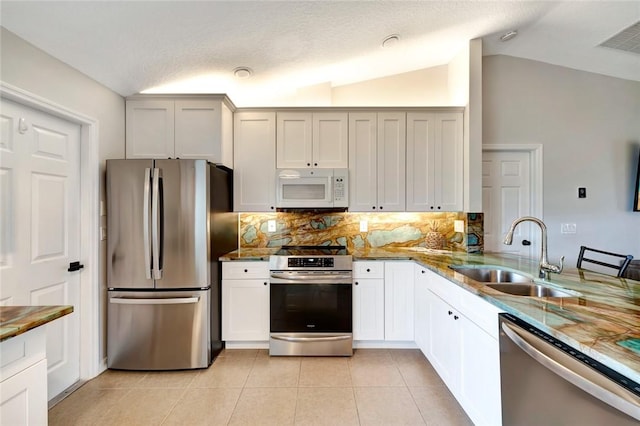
x,y
391,40
508,35
242,72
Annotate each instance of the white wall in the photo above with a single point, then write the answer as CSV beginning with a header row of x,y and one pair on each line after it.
x,y
24,66
589,125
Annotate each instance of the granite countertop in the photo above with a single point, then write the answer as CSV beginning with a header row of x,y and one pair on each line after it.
x,y
602,322
15,320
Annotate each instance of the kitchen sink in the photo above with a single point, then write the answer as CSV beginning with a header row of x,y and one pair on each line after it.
x,y
531,290
510,282
492,275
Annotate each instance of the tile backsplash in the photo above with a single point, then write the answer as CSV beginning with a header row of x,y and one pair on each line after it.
x,y
432,230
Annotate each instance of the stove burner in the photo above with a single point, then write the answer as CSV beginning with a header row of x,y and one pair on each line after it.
x,y
312,251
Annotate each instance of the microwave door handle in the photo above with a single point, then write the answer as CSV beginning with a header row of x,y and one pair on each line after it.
x,y
145,222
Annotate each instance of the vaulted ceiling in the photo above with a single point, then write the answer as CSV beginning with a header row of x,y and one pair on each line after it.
x,y
135,46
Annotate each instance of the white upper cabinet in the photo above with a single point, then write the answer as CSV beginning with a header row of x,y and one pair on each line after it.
x,y
317,139
377,161
180,127
435,161
254,170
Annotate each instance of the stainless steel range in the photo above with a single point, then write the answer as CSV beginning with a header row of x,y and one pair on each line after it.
x,y
311,301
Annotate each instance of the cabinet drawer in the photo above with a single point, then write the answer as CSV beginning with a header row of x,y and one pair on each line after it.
x,y
22,351
368,269
245,270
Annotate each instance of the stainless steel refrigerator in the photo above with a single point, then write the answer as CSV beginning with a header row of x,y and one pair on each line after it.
x,y
168,222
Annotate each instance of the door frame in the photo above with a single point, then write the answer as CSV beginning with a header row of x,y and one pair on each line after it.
x,y
536,173
89,309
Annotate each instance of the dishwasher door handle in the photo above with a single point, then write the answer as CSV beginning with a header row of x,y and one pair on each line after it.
x,y
545,354
151,301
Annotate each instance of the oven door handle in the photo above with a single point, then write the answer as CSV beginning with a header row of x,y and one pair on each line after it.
x,y
310,339
283,278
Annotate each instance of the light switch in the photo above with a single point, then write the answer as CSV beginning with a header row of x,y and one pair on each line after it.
x,y
271,225
103,233
364,226
458,226
568,228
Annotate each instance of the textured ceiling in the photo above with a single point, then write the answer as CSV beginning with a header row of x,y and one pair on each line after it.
x,y
133,46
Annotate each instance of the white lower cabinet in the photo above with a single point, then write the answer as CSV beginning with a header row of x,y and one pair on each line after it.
x,y
23,379
368,301
399,301
465,355
245,301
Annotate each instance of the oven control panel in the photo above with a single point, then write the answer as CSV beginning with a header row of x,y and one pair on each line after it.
x,y
310,262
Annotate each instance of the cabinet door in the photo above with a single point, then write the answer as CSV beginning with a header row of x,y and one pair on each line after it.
x,y
399,301
479,381
434,161
330,140
363,155
420,162
294,140
198,129
245,310
254,171
448,155
23,397
391,149
444,340
368,309
150,128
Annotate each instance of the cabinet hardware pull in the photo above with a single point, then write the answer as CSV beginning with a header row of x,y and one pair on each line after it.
x,y
265,283
246,270
356,282
455,317
450,313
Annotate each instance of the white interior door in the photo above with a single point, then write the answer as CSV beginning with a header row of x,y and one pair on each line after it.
x,y
40,227
506,196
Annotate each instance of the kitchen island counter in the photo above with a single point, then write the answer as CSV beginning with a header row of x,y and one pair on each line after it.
x,y
15,320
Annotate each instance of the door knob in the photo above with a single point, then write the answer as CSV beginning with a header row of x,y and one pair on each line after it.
x,y
75,266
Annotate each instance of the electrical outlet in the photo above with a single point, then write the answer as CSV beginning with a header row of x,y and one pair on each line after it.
x,y
458,226
568,228
271,225
364,226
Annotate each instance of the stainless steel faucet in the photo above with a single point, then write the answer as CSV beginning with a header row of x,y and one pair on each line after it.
x,y
545,266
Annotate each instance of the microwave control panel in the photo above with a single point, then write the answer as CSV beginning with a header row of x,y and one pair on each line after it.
x,y
339,193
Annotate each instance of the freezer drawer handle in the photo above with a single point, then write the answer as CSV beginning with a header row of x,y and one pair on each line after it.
x,y
173,301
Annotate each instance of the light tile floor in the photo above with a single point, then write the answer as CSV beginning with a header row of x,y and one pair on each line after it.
x,y
247,387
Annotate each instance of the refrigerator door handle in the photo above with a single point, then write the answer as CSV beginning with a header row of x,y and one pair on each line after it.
x,y
145,222
155,224
545,357
158,301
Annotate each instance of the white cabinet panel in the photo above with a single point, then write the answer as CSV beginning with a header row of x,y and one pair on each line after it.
x,y
377,145
399,301
179,127
434,161
254,170
245,301
368,309
305,139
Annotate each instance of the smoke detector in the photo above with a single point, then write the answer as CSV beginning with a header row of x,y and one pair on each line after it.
x,y
242,72
508,35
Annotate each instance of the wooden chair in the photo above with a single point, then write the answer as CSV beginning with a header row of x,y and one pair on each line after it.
x,y
603,259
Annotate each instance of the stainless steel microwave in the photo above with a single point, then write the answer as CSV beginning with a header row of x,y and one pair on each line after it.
x,y
312,188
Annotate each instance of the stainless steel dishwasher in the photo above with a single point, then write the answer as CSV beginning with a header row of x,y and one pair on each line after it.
x,y
546,382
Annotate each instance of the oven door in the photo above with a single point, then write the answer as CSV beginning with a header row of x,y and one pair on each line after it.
x,y
310,317
311,308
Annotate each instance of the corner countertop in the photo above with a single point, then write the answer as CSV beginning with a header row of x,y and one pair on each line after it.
x,y
15,320
603,321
